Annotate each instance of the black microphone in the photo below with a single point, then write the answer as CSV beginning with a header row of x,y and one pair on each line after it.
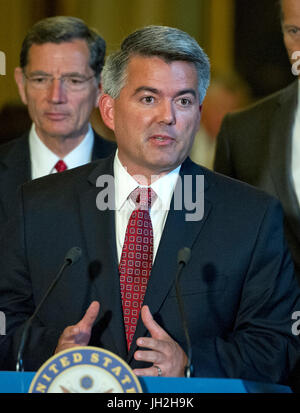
x,y
72,256
183,257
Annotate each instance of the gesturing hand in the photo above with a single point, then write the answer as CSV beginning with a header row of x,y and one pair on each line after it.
x,y
165,353
80,333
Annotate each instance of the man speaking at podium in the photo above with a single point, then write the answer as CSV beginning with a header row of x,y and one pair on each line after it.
x,y
238,288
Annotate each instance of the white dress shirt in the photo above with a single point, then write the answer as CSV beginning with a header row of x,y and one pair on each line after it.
x,y
124,185
43,159
296,149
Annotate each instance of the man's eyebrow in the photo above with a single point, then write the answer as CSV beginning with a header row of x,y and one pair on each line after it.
x,y
157,92
290,26
42,73
39,73
73,74
186,92
146,89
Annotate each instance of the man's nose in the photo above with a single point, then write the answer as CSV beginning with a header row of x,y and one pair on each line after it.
x,y
57,92
167,113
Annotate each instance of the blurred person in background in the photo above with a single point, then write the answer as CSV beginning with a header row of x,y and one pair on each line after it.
x,y
225,94
59,80
261,145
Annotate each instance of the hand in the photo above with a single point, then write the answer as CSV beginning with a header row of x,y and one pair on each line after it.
x,y
80,333
164,351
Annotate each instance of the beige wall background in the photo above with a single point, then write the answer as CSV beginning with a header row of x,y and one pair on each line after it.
x,y
209,21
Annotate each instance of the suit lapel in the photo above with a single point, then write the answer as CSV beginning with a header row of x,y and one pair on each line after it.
x,y
99,233
281,155
178,233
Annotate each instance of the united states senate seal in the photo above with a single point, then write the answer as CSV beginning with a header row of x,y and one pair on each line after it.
x,y
85,370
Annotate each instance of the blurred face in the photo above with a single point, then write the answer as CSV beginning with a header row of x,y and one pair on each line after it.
x,y
218,102
156,115
57,111
291,25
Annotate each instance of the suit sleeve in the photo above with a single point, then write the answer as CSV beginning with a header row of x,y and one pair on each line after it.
x,y
223,162
17,303
261,345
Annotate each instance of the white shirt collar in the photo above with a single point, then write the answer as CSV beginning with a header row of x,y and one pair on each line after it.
x,y
43,159
125,184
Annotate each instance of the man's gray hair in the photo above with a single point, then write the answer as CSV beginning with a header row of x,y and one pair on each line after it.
x,y
165,42
61,29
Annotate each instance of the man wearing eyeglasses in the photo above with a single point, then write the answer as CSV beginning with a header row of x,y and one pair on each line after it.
x,y
58,79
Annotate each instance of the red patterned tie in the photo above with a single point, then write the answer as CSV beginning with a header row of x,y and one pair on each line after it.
x,y
136,259
60,166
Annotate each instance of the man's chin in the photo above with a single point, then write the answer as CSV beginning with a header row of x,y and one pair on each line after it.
x,y
164,167
58,133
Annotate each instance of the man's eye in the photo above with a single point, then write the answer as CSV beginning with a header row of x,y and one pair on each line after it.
x,y
39,79
74,80
293,30
185,102
148,99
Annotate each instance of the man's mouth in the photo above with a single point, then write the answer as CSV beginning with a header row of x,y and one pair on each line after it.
x,y
161,139
56,115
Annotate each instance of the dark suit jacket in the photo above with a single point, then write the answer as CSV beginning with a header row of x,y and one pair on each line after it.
x,y
255,145
238,288
15,169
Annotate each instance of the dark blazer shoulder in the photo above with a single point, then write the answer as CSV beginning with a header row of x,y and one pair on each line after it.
x,y
219,189
223,188
257,136
12,151
265,106
18,148
64,183
239,192
102,147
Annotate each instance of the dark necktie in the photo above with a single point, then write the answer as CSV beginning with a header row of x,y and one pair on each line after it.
x,y
136,259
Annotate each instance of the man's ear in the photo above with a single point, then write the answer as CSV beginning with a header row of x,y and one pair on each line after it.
x,y
106,107
20,81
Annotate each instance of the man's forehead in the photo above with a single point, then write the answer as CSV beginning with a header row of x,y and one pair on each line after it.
x,y
157,75
152,66
74,45
290,10
157,58
68,54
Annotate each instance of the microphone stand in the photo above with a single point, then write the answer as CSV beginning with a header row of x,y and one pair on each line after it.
x,y
71,257
182,259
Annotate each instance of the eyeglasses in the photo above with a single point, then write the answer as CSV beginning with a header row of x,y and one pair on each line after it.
x,y
74,83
